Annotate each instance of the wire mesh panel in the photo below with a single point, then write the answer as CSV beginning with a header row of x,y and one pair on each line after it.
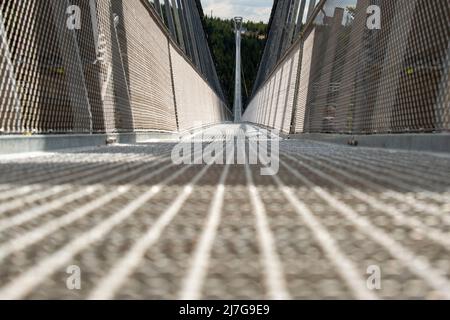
x,y
302,94
145,57
43,88
197,102
387,79
107,17
92,66
273,104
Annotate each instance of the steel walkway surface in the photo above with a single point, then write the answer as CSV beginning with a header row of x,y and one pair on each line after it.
x,y
139,226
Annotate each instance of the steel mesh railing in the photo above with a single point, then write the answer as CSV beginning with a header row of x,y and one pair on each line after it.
x,y
197,103
148,69
273,105
359,80
111,72
386,80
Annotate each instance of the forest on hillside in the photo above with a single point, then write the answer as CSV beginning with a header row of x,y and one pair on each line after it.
x,y
222,42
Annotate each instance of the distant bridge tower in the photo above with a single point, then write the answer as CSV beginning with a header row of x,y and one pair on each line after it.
x,y
238,85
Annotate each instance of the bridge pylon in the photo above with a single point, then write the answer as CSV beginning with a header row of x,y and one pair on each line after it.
x,y
238,85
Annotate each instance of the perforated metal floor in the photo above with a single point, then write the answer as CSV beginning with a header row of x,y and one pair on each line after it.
x,y
139,226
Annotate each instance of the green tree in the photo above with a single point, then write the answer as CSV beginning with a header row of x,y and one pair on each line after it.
x,y
222,42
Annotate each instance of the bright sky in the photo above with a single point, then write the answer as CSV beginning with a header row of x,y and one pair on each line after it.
x,y
254,10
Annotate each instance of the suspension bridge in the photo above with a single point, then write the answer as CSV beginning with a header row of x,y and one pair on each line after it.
x,y
95,96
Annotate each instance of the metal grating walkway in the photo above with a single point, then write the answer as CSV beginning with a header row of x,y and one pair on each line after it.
x,y
140,227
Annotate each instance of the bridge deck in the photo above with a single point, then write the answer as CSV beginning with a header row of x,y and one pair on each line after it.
x,y
140,227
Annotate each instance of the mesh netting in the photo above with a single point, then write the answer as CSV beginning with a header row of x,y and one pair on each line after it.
x,y
354,78
87,66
